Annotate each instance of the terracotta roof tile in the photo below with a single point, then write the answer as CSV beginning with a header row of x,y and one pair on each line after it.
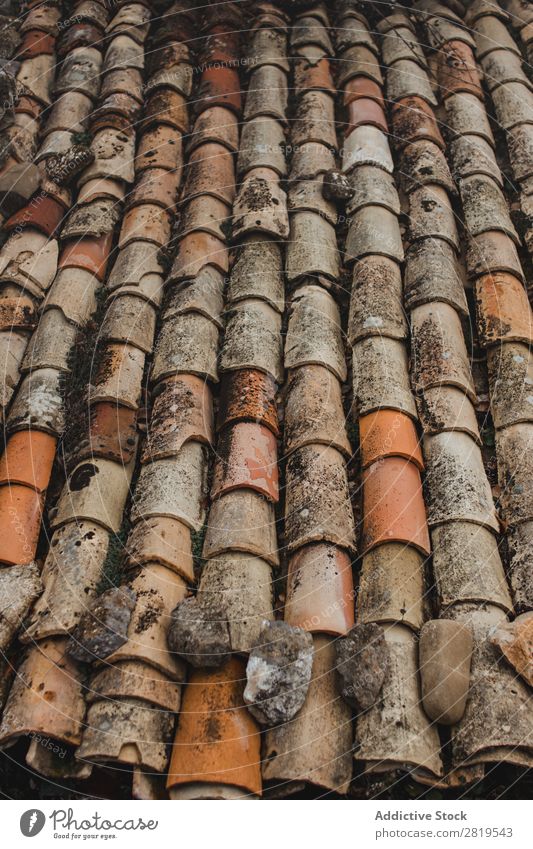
x,y
311,306
503,310
248,395
358,61
417,744
381,376
182,411
95,491
459,549
260,206
242,520
112,433
394,505
291,754
158,590
118,376
247,459
367,145
203,295
372,186
232,755
219,87
439,351
60,714
510,378
266,94
376,307
388,433
257,272
20,522
476,742
407,79
449,499
39,403
20,586
313,410
126,732
173,487
253,339
217,125
28,460
314,120
316,476
392,586
186,302
134,680
320,590
162,540
71,573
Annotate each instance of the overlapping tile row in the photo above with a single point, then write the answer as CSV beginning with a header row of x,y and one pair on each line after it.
x,y
143,676
314,748
521,21
469,576
30,257
89,509
216,752
29,63
86,242
33,205
504,314
395,732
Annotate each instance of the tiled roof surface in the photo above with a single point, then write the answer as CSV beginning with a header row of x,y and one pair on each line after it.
x,y
265,341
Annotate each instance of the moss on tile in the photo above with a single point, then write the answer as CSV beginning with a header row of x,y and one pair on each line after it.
x,y
197,540
112,571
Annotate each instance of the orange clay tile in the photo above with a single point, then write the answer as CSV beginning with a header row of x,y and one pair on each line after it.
x,y
27,105
162,540
155,185
365,111
219,87
393,505
320,591
503,309
210,171
198,250
20,523
247,458
362,87
28,459
36,43
413,120
159,147
91,254
217,740
308,77
248,395
182,410
112,433
388,433
148,222
166,107
46,697
456,69
42,213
